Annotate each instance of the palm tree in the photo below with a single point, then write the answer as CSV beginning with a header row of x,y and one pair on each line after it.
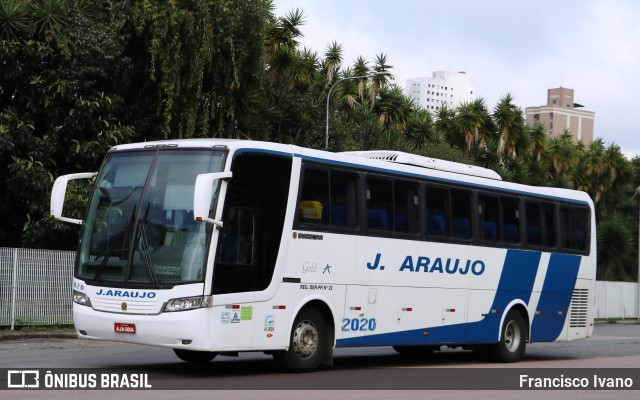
x,y
486,128
467,123
380,80
285,31
445,125
474,124
360,68
348,88
537,141
563,155
421,130
332,61
394,108
616,164
510,124
15,20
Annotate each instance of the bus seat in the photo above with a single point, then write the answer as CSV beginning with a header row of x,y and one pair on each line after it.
x,y
436,225
511,233
402,222
461,228
533,235
339,215
378,218
311,210
490,230
581,240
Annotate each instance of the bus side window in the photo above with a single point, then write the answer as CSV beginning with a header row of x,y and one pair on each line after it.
x,y
343,211
405,207
549,220
314,199
533,223
379,204
461,214
582,228
574,228
437,211
567,228
510,219
489,210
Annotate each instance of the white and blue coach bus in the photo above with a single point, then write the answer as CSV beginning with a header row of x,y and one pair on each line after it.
x,y
223,246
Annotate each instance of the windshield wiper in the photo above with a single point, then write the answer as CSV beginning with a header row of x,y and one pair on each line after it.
x,y
144,246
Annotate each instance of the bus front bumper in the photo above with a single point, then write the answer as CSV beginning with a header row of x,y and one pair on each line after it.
x,y
188,330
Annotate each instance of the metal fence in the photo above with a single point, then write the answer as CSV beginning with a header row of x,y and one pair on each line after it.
x,y
617,300
35,289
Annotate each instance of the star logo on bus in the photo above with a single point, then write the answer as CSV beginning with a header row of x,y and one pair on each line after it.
x,y
327,269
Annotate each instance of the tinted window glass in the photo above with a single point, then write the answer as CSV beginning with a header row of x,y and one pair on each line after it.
x,y
379,204
489,208
510,219
437,212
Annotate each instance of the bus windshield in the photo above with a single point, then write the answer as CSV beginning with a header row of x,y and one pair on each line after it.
x,y
139,228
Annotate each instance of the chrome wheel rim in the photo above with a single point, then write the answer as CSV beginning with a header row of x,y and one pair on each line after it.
x,y
305,339
512,336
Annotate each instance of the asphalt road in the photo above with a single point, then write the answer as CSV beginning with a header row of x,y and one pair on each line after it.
x,y
613,351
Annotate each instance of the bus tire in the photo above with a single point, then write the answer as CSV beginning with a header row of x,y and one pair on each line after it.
x,y
308,343
512,343
195,357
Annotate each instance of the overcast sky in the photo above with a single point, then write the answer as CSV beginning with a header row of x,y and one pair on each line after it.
x,y
516,46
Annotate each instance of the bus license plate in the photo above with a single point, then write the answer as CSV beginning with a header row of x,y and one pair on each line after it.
x,y
124,328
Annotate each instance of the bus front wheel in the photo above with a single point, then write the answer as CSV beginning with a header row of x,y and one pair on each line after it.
x,y
511,346
308,343
194,357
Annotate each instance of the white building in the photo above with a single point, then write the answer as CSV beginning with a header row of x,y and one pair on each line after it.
x,y
445,87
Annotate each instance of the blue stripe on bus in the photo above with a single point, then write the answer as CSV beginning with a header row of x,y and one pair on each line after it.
x,y
555,297
516,282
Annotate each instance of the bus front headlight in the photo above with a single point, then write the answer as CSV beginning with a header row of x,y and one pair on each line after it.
x,y
81,298
187,303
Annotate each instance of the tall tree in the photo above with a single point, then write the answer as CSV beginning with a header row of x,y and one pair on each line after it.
x,y
474,124
383,69
361,68
563,155
203,60
510,123
537,141
332,61
60,108
394,108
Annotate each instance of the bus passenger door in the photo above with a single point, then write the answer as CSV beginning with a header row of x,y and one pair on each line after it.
x,y
235,272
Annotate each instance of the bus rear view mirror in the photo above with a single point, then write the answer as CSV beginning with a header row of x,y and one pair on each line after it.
x,y
58,192
206,184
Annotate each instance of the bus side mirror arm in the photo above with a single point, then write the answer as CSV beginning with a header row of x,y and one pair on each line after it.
x,y
58,192
202,195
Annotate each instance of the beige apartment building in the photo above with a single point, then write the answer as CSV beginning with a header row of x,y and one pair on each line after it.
x,y
561,113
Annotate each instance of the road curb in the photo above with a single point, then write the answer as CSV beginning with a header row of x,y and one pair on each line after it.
x,y
22,335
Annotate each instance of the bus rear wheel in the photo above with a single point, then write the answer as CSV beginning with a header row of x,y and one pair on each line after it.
x,y
195,357
512,344
307,345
